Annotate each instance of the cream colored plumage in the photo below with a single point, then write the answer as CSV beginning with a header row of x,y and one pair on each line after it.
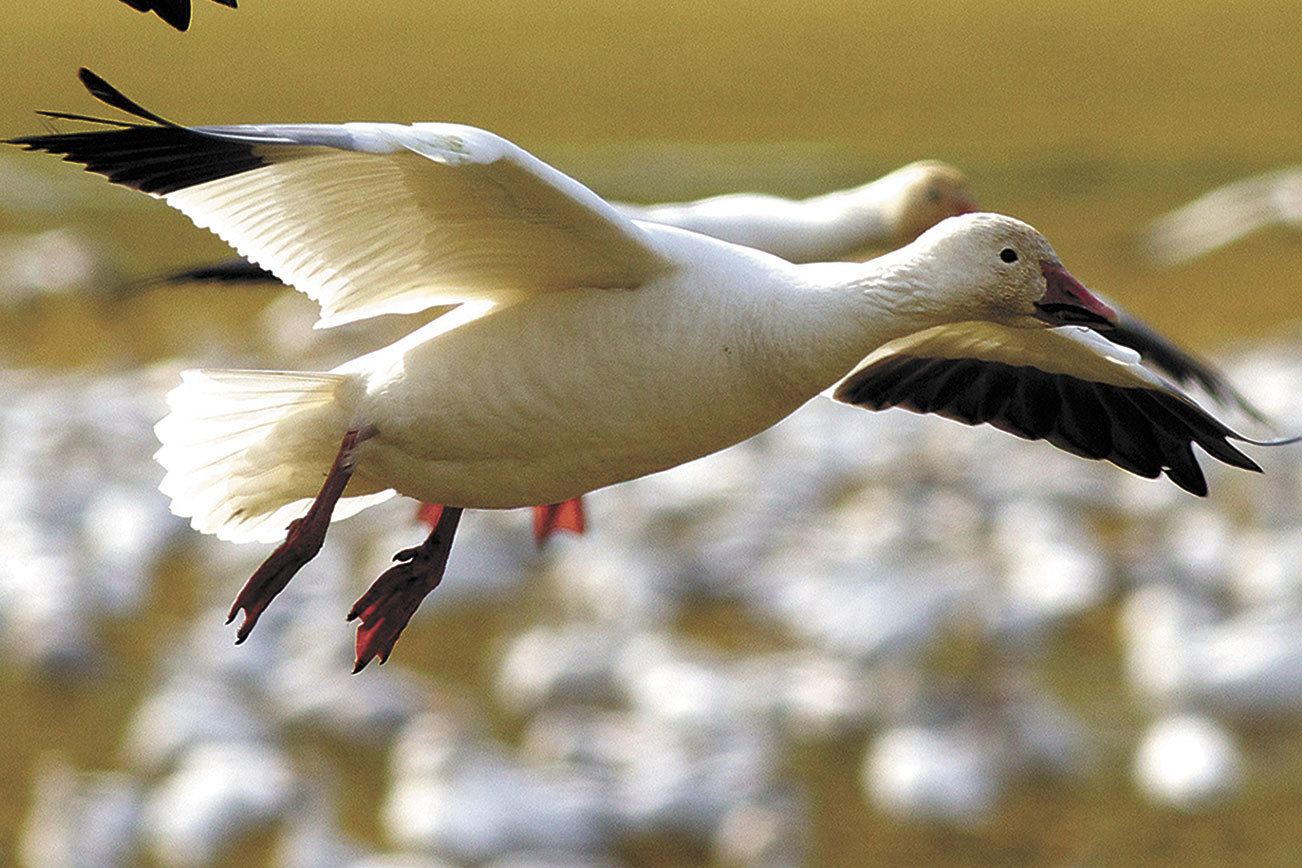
x,y
882,214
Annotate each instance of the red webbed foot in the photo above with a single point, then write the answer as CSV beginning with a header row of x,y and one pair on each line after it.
x,y
303,540
553,517
299,547
389,603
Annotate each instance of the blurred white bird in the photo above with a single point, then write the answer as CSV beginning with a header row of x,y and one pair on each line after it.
x,y
1181,653
81,818
1225,215
949,774
473,803
574,663
770,832
1188,762
187,711
55,262
219,793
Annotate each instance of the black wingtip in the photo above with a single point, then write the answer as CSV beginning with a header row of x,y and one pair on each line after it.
x,y
233,271
1184,367
110,95
230,4
71,116
174,12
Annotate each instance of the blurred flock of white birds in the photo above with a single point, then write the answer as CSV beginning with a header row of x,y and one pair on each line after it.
x,y
864,546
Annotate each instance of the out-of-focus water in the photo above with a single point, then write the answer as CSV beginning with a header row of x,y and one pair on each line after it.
x,y
995,696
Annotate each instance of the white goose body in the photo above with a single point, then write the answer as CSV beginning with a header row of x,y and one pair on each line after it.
x,y
568,392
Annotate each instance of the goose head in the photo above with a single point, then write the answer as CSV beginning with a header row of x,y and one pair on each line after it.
x,y
929,191
990,267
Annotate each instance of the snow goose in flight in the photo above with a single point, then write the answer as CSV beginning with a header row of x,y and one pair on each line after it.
x,y
174,12
587,348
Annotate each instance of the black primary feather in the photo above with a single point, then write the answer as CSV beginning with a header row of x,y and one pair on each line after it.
x,y
174,12
230,271
110,95
1182,366
1144,431
157,159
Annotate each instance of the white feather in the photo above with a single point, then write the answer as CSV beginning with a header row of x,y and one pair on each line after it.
x,y
245,451
369,219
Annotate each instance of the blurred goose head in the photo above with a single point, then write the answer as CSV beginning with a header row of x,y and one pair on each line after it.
x,y
928,191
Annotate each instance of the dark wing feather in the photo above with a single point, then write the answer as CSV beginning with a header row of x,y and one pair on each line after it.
x,y
158,158
153,159
230,271
1181,366
1144,431
110,95
174,12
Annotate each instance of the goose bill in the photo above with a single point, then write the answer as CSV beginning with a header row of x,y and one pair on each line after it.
x,y
1067,302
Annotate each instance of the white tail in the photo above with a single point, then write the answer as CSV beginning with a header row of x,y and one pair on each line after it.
x,y
246,451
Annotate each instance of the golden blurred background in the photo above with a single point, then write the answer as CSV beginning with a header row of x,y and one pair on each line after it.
x,y
1086,120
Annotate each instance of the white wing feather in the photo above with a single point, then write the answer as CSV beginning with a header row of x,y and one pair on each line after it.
x,y
369,219
1074,351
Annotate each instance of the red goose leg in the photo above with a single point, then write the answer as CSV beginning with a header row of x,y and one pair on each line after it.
x,y
389,603
303,540
566,515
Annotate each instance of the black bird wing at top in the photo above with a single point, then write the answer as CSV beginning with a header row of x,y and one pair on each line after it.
x,y
174,12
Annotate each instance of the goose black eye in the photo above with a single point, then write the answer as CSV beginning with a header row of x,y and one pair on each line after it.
x,y
1008,254
933,195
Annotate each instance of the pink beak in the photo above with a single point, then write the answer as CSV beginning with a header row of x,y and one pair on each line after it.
x,y
964,205
1067,302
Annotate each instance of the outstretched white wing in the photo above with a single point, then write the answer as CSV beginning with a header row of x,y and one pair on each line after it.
x,y
371,218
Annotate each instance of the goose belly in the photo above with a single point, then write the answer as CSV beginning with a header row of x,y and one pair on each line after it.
x,y
567,393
